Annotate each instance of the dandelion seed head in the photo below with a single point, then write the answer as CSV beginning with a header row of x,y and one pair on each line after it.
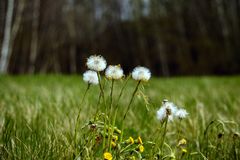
x,y
90,77
141,74
161,114
114,72
96,63
181,113
167,110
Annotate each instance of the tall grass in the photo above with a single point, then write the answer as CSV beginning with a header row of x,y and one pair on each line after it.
x,y
38,114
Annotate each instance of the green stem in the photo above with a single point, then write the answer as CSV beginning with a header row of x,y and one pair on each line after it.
x,y
179,130
121,92
78,116
119,97
105,128
111,97
178,136
104,102
98,103
164,134
114,120
100,94
110,111
101,88
128,107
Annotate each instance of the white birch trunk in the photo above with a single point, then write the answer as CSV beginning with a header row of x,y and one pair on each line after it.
x,y
4,61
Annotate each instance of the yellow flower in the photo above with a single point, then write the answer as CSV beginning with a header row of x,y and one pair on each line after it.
x,y
113,144
182,142
107,156
141,148
130,140
184,150
115,138
140,140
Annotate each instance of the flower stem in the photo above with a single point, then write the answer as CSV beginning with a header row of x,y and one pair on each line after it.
x,y
117,102
111,97
110,111
113,125
78,116
97,110
101,88
128,107
164,134
104,102
157,136
178,135
121,92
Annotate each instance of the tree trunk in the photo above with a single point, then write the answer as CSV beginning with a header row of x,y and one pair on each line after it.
x,y
163,59
70,22
5,54
34,42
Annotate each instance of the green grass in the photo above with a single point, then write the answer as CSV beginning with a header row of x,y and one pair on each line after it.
x,y
37,114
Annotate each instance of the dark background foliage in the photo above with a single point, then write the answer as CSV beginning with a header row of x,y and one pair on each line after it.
x,y
171,37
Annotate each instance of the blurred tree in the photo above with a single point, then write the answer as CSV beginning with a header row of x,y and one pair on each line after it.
x,y
172,37
7,38
34,38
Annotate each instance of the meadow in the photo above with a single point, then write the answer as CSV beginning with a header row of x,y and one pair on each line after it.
x,y
38,115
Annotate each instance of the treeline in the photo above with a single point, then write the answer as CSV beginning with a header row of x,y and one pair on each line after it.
x,y
171,37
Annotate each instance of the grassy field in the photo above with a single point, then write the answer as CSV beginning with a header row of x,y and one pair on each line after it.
x,y
38,114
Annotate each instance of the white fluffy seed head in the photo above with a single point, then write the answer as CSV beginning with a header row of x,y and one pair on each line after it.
x,y
96,63
167,110
114,72
181,113
90,77
141,74
161,114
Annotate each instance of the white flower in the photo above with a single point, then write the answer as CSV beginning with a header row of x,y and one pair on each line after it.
x,y
170,110
114,72
181,113
161,114
96,63
141,74
90,77
167,110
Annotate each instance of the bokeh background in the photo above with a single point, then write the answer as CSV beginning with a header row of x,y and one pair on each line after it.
x,y
171,37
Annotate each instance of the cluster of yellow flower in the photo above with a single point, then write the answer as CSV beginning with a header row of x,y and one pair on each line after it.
x,y
129,142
